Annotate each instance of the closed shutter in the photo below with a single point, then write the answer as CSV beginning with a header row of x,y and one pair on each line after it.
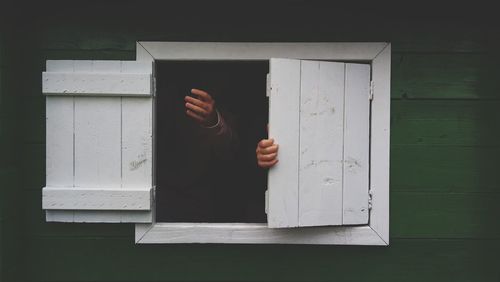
x,y
99,128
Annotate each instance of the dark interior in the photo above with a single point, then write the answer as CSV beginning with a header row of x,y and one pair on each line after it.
x,y
192,184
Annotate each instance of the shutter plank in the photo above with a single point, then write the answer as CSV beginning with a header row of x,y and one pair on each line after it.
x,y
57,198
59,147
357,142
284,128
59,142
120,84
98,145
321,143
136,143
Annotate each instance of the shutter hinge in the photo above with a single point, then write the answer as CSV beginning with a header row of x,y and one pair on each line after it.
x,y
370,199
268,85
154,86
267,201
372,87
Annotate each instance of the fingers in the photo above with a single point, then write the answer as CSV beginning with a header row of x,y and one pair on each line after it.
x,y
196,102
196,109
267,158
202,95
264,143
267,164
268,150
267,153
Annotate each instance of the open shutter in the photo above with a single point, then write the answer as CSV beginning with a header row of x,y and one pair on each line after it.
x,y
99,141
319,116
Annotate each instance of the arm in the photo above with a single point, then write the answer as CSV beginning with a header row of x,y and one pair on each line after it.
x,y
213,124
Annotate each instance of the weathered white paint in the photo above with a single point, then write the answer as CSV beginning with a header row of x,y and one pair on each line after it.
x,y
120,84
59,148
98,216
97,142
356,144
70,198
283,179
262,51
143,56
105,132
321,143
253,233
380,143
346,51
59,141
136,146
377,231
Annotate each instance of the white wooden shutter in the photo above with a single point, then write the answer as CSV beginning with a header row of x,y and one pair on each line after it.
x,y
319,114
99,141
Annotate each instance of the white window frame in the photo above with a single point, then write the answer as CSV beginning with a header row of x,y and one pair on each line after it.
x,y
376,232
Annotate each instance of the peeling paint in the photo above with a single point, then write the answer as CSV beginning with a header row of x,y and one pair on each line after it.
x,y
352,164
134,165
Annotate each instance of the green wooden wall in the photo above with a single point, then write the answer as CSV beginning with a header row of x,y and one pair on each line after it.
x,y
445,147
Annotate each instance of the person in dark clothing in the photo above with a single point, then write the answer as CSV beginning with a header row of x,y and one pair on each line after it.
x,y
206,170
199,149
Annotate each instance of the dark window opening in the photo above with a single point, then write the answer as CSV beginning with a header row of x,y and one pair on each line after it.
x,y
197,181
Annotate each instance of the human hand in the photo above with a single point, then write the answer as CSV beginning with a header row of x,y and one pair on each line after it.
x,y
201,108
267,152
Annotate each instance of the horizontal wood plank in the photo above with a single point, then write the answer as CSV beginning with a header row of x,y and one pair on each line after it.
x,y
444,76
426,260
444,168
120,84
78,198
251,233
451,123
446,215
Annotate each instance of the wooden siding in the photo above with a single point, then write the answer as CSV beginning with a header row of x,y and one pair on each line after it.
x,y
444,149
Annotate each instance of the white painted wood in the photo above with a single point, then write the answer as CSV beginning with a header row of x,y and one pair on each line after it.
x,y
59,216
253,233
136,146
121,84
380,143
145,58
97,142
60,66
98,124
321,143
142,54
136,67
59,148
356,144
261,51
377,232
99,216
59,141
70,198
284,127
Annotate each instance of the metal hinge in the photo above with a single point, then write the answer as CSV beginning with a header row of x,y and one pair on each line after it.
x,y
268,85
370,199
267,201
154,85
372,87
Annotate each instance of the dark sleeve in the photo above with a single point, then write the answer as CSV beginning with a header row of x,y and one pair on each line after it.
x,y
222,137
